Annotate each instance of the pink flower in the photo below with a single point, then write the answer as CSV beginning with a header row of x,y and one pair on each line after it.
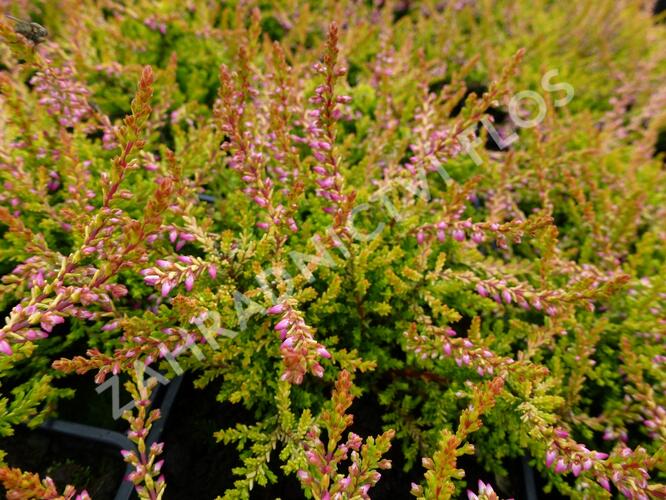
x,y
576,468
459,235
324,353
151,280
5,348
49,320
283,324
550,457
604,483
166,288
261,201
276,309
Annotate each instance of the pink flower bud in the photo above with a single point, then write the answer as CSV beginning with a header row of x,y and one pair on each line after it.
x,y
604,483
189,282
324,353
166,288
481,290
326,183
261,201
459,235
344,483
151,280
276,309
561,433
506,295
283,324
288,343
110,326
550,457
576,468
212,271
477,237
319,156
5,348
317,370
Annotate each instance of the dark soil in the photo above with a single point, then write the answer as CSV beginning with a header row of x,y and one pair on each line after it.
x,y
98,469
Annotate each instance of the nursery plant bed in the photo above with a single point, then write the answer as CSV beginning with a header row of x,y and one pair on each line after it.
x,y
388,269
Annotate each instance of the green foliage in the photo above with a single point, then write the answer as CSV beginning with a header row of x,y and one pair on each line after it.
x,y
305,202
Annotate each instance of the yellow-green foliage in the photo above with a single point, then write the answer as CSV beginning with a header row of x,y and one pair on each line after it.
x,y
303,180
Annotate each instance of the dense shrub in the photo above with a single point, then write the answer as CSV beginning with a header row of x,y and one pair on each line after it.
x,y
311,202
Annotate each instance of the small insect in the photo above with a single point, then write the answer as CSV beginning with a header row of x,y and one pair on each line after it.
x,y
34,32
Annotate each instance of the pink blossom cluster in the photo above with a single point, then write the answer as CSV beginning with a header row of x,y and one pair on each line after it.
x,y
109,141
627,469
146,476
259,188
63,96
567,455
33,271
54,181
357,482
462,350
655,421
499,291
320,128
462,230
329,180
300,351
177,237
156,25
246,154
23,318
142,465
486,492
431,143
167,274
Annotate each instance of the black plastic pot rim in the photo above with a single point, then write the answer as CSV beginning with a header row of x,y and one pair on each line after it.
x,y
118,439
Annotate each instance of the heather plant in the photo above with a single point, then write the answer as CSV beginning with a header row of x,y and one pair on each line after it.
x,y
453,208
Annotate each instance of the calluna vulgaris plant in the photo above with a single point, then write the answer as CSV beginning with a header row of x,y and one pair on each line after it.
x,y
361,242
